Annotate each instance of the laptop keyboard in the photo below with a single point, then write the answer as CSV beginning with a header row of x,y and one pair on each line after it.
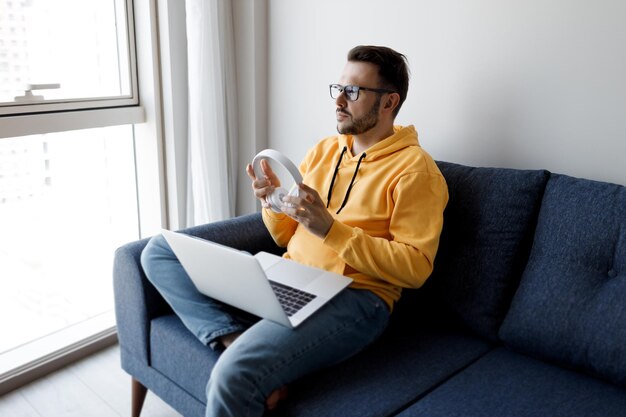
x,y
291,299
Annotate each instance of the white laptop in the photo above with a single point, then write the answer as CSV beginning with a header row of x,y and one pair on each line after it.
x,y
265,285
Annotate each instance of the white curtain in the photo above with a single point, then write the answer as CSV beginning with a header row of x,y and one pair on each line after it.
x,y
212,169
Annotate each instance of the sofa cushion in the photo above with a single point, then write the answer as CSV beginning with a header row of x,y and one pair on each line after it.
x,y
571,304
504,383
398,368
487,232
410,363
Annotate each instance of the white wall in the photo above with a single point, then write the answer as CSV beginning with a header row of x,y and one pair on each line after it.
x,y
523,84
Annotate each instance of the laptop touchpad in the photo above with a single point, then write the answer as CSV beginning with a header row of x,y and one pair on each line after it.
x,y
292,273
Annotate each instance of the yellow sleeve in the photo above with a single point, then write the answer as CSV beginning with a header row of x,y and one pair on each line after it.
x,y
415,227
280,226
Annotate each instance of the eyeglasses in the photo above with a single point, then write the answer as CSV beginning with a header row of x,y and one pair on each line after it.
x,y
352,91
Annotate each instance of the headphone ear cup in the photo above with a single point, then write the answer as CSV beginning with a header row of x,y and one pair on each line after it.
x,y
294,191
275,199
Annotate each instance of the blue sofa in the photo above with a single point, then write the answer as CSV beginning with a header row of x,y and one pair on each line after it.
x,y
524,315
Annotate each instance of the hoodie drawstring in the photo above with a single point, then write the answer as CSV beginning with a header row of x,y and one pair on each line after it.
x,y
332,183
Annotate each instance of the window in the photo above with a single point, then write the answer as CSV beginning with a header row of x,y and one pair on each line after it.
x,y
67,200
71,167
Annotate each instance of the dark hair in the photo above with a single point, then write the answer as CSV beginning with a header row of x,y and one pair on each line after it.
x,y
393,69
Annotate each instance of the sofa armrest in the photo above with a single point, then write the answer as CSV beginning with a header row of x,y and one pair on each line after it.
x,y
137,302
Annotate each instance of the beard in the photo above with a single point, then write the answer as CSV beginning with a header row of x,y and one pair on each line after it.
x,y
363,123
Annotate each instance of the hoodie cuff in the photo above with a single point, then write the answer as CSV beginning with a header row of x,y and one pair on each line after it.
x,y
338,236
272,216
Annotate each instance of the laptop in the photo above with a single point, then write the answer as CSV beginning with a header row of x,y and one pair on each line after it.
x,y
266,285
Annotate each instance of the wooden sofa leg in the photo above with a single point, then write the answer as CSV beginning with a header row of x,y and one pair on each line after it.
x,y
138,397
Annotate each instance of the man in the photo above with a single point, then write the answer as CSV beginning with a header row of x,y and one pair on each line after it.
x,y
380,225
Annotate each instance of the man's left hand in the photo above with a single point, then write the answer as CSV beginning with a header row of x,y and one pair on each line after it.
x,y
309,210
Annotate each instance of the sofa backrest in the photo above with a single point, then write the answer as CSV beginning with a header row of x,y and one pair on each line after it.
x,y
488,227
571,304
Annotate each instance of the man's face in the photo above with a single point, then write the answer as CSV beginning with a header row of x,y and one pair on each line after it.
x,y
357,117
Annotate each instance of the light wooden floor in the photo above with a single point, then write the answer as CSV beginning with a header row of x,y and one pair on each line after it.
x,y
93,387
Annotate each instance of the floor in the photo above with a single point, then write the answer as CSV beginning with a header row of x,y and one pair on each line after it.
x,y
93,387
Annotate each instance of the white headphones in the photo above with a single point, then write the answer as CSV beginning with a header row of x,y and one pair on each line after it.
x,y
275,198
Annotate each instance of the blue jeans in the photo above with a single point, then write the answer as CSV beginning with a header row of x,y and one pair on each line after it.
x,y
267,355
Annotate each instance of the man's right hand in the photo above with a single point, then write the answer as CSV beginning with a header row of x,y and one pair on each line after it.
x,y
265,185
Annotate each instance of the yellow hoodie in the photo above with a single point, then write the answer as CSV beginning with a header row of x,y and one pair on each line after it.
x,y
386,236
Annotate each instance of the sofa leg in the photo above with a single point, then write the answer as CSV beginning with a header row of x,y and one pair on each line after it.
x,y
138,397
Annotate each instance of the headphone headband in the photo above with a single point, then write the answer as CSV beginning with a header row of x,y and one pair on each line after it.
x,y
279,158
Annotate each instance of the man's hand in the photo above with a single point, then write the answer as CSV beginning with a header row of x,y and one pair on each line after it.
x,y
265,185
309,210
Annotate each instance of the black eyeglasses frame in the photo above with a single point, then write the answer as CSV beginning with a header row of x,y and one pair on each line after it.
x,y
355,90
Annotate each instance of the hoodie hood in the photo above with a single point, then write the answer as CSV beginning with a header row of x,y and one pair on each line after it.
x,y
403,137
